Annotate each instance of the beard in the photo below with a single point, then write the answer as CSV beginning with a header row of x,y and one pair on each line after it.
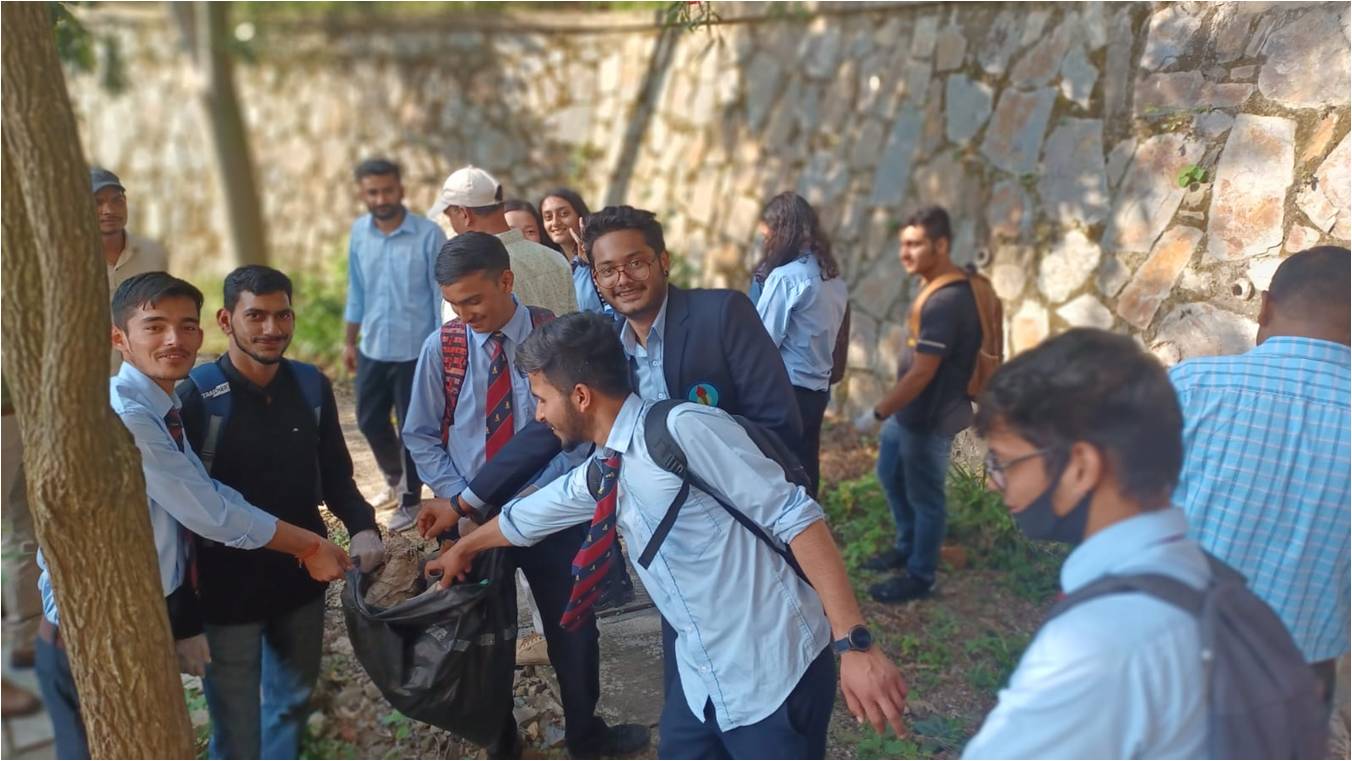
x,y
261,359
385,211
572,430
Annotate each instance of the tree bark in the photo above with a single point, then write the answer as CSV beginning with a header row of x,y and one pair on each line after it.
x,y
85,486
203,28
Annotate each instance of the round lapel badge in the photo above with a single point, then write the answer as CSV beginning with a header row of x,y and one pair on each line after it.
x,y
704,393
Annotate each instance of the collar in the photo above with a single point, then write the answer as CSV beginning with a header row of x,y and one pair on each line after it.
x,y
1120,544
622,432
516,329
512,235
405,225
128,250
1301,347
630,339
146,391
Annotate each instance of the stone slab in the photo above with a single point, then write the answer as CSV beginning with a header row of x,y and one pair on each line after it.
x,y
1307,66
1015,132
1201,330
1149,194
967,107
1078,76
1085,311
950,48
1072,184
1249,193
1002,41
1152,283
1028,327
1326,201
1037,66
1168,36
1067,266
894,169
1009,211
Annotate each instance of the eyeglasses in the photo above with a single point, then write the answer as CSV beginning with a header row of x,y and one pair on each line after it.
x,y
996,470
636,269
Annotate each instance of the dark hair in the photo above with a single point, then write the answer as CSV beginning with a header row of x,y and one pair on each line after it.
x,y
520,204
578,348
574,200
255,279
614,218
471,252
1097,387
1312,285
148,288
935,222
794,231
377,167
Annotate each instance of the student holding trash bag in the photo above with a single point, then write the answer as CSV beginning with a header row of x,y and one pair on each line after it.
x,y
469,399
757,622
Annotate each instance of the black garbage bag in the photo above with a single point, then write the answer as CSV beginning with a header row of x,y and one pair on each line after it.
x,y
446,656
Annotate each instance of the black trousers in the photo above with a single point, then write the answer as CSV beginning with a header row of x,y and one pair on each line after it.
x,y
383,387
575,656
812,407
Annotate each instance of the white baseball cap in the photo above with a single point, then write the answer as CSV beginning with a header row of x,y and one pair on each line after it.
x,y
468,186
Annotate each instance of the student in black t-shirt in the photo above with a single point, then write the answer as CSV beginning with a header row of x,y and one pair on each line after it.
x,y
923,411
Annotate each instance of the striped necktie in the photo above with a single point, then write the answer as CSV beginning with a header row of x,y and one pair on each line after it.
x,y
499,405
174,421
593,561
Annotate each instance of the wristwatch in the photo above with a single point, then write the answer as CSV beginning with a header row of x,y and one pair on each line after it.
x,y
858,638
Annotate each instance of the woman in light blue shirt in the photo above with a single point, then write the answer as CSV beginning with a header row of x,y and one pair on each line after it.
x,y
801,299
563,211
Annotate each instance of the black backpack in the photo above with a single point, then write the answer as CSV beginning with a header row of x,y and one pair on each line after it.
x,y
1262,697
670,457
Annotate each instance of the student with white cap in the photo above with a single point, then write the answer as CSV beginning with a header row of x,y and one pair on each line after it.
x,y
472,200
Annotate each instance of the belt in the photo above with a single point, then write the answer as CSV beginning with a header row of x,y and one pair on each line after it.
x,y
50,633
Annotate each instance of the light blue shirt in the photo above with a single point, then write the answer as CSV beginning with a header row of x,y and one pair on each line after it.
x,y
588,300
1265,478
1119,676
392,287
647,360
447,469
802,314
747,626
181,493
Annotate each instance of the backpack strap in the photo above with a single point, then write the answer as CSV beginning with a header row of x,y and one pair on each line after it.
x,y
669,456
913,318
539,316
454,360
215,391
1157,585
311,382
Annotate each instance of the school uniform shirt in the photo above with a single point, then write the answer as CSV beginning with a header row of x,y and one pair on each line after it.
x,y
646,360
588,299
182,497
448,468
802,313
392,287
1119,676
742,646
275,453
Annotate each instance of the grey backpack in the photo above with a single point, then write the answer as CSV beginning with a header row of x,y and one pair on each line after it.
x,y
1262,697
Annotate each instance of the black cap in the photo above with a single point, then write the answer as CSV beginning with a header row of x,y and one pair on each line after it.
x,y
102,178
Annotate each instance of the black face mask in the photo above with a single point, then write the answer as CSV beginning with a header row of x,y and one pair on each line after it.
x,y
1039,521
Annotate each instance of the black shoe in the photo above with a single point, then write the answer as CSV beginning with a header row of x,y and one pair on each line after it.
x,y
901,589
624,740
887,560
619,592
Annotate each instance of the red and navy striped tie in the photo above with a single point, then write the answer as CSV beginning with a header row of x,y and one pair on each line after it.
x,y
593,561
174,422
499,403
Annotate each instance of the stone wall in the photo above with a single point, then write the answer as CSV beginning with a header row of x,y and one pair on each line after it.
x,y
1140,167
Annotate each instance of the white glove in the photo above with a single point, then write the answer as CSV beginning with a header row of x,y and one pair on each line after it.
x,y
193,655
866,423
367,547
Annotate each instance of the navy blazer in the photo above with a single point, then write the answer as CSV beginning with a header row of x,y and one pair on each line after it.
x,y
715,349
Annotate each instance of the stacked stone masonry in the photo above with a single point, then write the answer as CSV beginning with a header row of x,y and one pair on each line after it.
x,y
1134,166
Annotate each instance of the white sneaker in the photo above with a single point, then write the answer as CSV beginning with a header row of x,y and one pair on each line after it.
x,y
402,519
531,650
386,498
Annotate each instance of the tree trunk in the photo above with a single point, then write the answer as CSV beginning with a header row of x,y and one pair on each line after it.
x,y
85,485
203,28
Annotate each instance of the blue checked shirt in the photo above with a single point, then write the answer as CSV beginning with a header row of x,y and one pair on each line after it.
x,y
1265,478
747,627
392,289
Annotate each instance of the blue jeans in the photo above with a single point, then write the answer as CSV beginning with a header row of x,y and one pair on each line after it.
x,y
912,467
279,658
58,695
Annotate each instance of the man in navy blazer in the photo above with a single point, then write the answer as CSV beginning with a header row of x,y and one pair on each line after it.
x,y
702,345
